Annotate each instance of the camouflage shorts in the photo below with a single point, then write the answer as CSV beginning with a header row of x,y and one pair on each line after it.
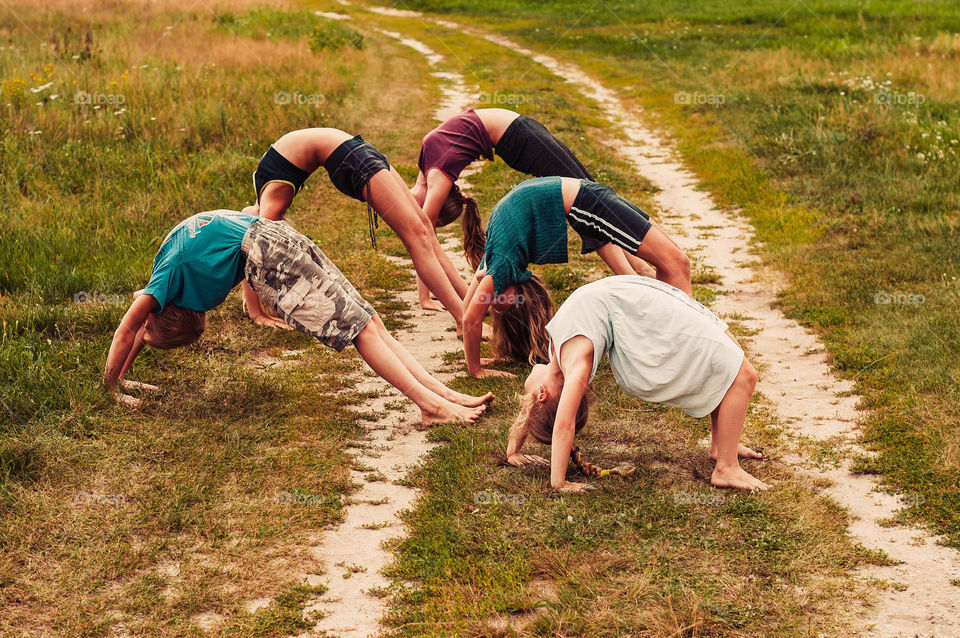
x,y
292,275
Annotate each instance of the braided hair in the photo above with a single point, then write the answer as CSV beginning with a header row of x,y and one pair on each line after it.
x,y
536,419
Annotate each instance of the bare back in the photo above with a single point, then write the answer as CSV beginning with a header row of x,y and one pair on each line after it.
x,y
496,121
309,148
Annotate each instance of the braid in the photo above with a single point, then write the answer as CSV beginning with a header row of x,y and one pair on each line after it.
x,y
589,469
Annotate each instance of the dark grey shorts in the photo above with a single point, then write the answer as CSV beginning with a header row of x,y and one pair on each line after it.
x,y
292,275
600,214
352,164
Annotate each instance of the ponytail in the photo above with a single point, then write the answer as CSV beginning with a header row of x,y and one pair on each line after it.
x,y
474,238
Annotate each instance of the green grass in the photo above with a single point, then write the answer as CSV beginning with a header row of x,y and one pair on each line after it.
x,y
833,126
210,494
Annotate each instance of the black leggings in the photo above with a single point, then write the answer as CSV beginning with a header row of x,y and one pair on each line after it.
x,y
528,147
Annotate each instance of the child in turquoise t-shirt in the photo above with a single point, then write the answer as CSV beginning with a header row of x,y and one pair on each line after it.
x,y
205,256
529,225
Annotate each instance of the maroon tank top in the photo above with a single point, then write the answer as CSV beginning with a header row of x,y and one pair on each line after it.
x,y
453,145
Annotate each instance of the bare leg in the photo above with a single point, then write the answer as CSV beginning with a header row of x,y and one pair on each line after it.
x,y
433,408
728,421
451,271
640,266
421,374
672,264
394,203
427,302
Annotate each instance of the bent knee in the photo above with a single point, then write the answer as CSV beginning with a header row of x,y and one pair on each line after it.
x,y
748,375
679,263
377,322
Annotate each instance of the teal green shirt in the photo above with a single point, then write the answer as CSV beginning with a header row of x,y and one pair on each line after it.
x,y
200,262
527,226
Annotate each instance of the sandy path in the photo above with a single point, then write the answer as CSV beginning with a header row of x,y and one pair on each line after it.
x,y
351,558
796,378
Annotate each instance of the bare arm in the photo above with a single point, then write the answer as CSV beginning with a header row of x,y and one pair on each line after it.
x,y
438,188
252,302
515,441
616,258
475,306
127,343
576,359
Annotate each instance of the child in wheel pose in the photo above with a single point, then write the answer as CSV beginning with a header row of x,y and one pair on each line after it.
x,y
208,254
529,225
664,347
360,171
523,143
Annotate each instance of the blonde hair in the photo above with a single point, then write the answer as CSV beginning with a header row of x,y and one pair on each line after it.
x,y
474,237
536,419
174,327
520,332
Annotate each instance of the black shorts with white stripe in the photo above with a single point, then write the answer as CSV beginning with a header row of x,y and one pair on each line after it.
x,y
600,214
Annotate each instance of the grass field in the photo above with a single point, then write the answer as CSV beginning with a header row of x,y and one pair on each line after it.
x,y
142,521
833,126
150,522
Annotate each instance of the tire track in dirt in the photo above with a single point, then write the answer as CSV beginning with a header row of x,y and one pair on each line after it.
x,y
351,557
808,399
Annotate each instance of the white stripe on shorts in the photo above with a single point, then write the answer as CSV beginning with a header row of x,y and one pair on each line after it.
x,y
631,248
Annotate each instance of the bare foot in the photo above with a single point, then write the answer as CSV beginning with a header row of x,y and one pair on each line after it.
x,y
448,412
432,305
572,487
466,400
486,333
743,452
737,477
137,385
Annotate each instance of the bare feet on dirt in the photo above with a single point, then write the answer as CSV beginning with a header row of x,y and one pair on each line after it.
x,y
448,412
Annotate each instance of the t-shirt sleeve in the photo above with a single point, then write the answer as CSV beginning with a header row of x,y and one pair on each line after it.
x,y
504,273
166,280
577,320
